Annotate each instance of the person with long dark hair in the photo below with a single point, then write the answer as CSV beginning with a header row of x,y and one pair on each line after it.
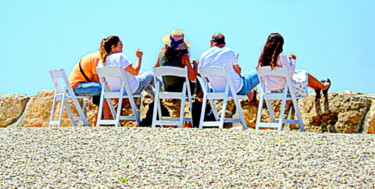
x,y
272,56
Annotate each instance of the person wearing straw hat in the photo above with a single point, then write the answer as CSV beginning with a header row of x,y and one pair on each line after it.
x,y
176,53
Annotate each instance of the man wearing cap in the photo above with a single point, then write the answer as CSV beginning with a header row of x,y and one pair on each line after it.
x,y
219,55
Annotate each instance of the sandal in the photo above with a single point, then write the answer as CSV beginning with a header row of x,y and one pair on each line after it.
x,y
325,92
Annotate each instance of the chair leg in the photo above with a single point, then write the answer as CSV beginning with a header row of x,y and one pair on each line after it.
x,y
203,110
156,103
281,119
259,114
80,112
69,111
135,110
270,111
100,110
182,112
191,111
118,113
298,113
240,112
52,110
214,109
222,117
61,110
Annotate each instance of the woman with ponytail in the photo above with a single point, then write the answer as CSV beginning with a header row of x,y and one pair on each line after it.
x,y
272,56
111,55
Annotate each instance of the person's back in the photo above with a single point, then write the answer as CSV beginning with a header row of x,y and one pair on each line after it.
x,y
176,53
119,60
88,64
221,57
272,56
171,83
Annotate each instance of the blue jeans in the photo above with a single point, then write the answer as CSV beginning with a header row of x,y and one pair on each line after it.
x,y
88,89
146,82
250,81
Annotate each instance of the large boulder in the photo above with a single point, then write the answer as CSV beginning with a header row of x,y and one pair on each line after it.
x,y
38,110
342,112
12,107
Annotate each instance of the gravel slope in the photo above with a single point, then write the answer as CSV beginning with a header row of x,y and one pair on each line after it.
x,y
183,158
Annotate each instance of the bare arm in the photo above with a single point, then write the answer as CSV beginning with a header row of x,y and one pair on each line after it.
x,y
236,67
157,64
134,68
185,61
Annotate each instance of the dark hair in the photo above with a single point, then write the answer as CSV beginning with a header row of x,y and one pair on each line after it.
x,y
218,38
106,45
271,50
174,53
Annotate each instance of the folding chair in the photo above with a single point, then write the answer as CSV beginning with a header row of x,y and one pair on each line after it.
x,y
107,94
171,71
209,94
288,93
64,91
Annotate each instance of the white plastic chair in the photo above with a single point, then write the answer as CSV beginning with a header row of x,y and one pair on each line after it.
x,y
64,91
211,73
125,92
183,95
288,93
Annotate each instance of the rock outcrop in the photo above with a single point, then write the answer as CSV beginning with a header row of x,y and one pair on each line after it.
x,y
342,112
12,107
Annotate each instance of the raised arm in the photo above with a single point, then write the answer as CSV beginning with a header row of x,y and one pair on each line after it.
x,y
236,67
134,68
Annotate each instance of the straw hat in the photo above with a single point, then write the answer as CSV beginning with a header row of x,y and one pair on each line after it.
x,y
176,40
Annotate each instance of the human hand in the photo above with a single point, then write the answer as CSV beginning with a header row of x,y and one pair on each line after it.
x,y
139,53
292,56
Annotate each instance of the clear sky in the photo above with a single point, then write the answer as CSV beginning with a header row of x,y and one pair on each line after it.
x,y
331,38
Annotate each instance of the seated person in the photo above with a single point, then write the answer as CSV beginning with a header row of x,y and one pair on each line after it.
x,y
84,79
111,55
175,53
272,56
219,55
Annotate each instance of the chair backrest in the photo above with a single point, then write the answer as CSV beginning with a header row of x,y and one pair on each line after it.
x,y
278,71
113,72
215,72
172,71
61,81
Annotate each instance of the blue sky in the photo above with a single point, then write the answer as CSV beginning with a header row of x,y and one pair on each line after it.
x,y
330,38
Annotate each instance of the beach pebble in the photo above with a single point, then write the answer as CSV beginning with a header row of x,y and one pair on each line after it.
x,y
86,157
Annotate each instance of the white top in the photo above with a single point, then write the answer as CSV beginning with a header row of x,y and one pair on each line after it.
x,y
276,82
222,57
119,59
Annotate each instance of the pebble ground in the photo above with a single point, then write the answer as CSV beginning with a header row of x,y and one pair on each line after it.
x,y
78,157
